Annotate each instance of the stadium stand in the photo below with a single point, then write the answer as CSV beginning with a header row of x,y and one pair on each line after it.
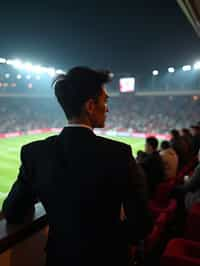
x,y
159,116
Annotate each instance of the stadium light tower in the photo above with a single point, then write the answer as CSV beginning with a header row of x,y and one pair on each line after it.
x,y
197,65
155,72
171,70
187,68
2,60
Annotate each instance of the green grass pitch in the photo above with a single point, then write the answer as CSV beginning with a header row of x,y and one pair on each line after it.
x,y
10,157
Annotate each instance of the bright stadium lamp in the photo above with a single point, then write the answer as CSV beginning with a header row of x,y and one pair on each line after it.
x,y
197,65
7,75
28,66
60,71
38,69
16,63
187,68
19,76
51,71
171,70
9,62
37,77
28,77
2,60
155,72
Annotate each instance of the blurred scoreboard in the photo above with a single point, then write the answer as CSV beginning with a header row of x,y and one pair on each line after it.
x,y
127,85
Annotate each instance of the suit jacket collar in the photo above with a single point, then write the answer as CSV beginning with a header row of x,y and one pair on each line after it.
x,y
76,132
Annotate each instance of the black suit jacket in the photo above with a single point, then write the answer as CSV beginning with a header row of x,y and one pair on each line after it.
x,y
82,180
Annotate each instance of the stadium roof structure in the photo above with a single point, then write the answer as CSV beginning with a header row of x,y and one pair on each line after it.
x,y
191,8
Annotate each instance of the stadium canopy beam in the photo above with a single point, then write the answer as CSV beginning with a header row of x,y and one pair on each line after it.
x,y
191,8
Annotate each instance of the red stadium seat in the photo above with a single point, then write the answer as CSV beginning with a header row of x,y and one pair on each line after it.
x,y
163,190
155,236
180,252
157,207
192,228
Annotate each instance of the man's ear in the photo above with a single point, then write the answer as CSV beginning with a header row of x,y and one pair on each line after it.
x,y
90,106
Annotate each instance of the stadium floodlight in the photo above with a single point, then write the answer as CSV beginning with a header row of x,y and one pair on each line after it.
x,y
37,69
16,63
28,77
2,60
187,68
60,71
197,65
51,71
155,72
19,76
9,62
171,70
37,77
7,75
28,66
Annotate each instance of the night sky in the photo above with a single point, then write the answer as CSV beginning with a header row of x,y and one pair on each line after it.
x,y
125,36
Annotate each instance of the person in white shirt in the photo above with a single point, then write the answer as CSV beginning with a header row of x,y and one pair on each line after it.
x,y
170,159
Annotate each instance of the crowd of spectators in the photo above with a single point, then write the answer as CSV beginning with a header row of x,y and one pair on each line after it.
x,y
152,114
165,162
155,114
23,114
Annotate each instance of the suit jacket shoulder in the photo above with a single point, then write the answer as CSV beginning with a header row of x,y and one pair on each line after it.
x,y
113,145
39,145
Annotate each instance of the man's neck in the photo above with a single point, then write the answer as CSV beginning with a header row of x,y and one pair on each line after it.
x,y
79,123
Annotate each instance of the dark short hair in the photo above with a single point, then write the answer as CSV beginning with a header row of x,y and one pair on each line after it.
x,y
153,142
175,133
77,86
140,153
186,131
165,144
195,127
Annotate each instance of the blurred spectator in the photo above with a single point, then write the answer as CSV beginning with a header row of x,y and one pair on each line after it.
x,y
180,147
153,165
195,130
187,137
170,159
141,155
190,191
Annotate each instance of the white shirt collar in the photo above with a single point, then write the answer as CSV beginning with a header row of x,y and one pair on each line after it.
x,y
79,125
